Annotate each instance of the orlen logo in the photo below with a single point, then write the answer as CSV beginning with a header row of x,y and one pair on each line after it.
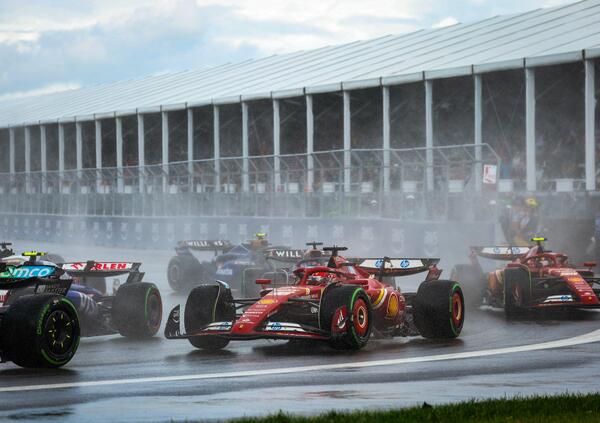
x,y
25,272
97,266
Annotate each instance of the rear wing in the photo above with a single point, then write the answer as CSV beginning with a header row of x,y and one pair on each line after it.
x,y
284,254
92,268
395,266
505,253
205,245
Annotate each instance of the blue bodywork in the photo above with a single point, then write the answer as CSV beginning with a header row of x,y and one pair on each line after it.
x,y
83,299
230,266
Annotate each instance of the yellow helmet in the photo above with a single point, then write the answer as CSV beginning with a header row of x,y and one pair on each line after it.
x,y
531,202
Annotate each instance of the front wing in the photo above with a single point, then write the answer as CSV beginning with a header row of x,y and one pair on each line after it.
x,y
561,303
270,330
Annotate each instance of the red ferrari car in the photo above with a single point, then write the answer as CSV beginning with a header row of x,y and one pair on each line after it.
x,y
535,278
328,298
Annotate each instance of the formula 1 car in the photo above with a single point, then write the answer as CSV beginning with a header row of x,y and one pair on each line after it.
x,y
340,302
39,325
185,270
533,279
238,266
134,310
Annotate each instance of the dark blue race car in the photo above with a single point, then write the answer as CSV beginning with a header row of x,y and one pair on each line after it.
x,y
133,309
238,266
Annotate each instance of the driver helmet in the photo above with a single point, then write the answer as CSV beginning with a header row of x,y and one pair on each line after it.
x,y
260,241
531,202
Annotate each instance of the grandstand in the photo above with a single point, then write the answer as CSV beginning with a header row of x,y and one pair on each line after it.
x,y
400,126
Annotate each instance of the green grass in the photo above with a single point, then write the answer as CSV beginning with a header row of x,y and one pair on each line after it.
x,y
564,408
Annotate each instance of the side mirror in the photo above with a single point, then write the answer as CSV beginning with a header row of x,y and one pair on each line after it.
x,y
590,264
263,281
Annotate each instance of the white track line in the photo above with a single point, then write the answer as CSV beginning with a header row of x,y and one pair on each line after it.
x,y
578,340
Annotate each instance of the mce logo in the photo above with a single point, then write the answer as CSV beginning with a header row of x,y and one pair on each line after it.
x,y
25,272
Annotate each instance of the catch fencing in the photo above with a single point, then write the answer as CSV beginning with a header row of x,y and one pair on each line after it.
x,y
397,183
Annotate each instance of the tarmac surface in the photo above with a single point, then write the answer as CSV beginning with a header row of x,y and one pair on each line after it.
x,y
158,380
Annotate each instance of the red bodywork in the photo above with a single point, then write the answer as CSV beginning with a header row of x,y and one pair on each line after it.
x,y
388,303
554,281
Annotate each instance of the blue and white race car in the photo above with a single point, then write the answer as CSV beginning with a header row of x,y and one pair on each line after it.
x,y
238,265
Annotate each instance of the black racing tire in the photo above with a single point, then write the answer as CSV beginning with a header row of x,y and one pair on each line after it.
x,y
137,310
516,291
184,272
439,309
472,281
355,307
40,330
207,304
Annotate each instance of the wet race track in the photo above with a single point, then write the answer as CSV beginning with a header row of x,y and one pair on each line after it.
x,y
161,380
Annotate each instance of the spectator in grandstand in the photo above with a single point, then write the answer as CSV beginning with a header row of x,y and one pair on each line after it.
x,y
527,223
505,217
518,166
505,168
519,221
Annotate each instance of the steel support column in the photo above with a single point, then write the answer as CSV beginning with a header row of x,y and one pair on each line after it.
x,y
11,155
217,148
429,181
530,128
43,158
347,142
27,159
61,156
11,151
478,131
190,145
78,152
27,149
98,144
165,149
141,152
276,145
119,136
78,147
590,126
310,144
385,91
245,149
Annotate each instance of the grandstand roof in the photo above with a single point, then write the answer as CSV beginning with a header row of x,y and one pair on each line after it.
x,y
536,38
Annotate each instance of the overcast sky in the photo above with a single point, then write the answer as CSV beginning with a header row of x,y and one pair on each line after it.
x,y
54,45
